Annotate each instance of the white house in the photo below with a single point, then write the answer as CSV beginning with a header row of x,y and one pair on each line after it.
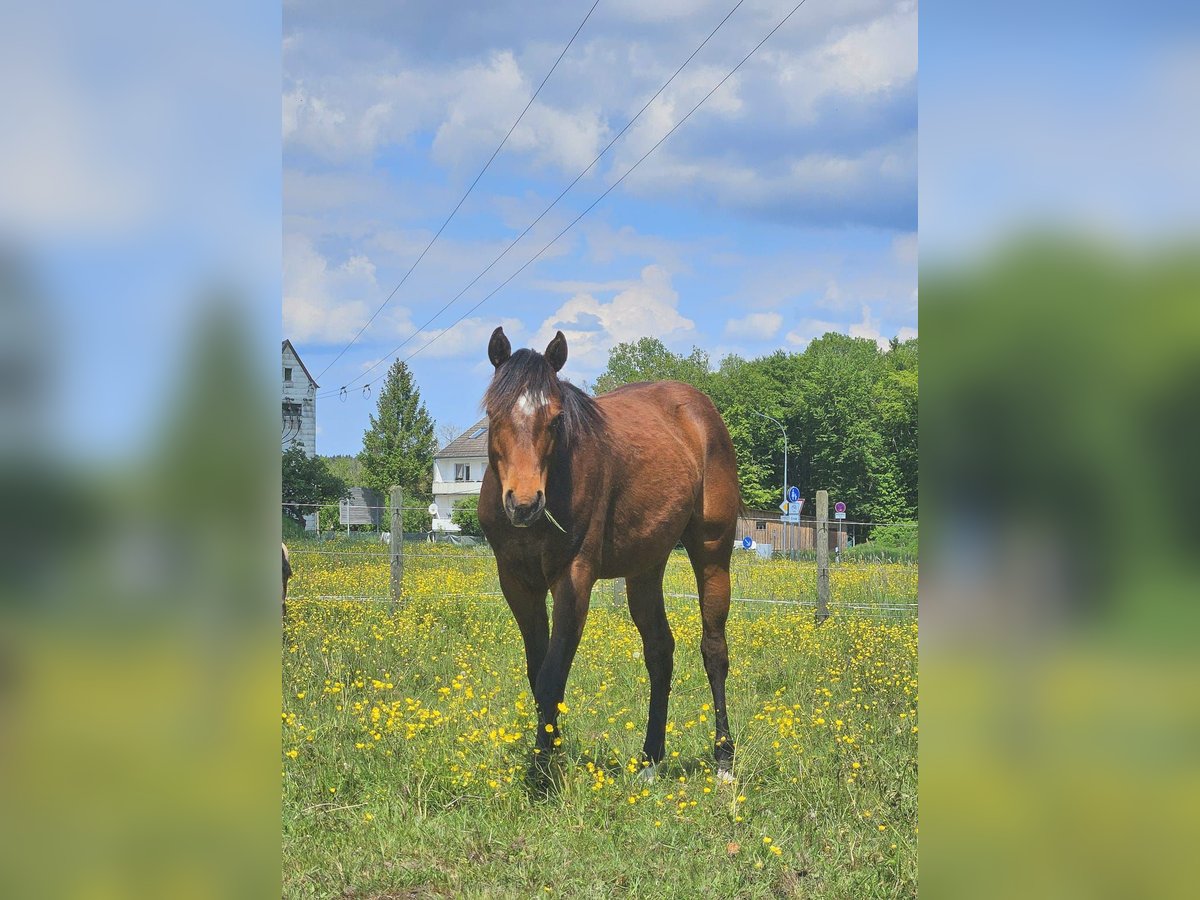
x,y
299,408
458,472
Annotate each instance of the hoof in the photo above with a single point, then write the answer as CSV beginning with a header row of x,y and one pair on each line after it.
x,y
725,776
649,774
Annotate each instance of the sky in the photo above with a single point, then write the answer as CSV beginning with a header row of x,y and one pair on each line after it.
x,y
785,207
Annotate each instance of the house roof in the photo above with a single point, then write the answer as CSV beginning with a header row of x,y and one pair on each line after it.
x,y
287,345
472,442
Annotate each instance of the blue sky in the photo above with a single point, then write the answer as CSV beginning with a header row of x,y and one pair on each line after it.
x,y
785,207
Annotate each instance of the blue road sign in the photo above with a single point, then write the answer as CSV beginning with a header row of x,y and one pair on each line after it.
x,y
747,543
793,494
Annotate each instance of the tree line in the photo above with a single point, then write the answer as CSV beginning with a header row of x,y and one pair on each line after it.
x,y
848,408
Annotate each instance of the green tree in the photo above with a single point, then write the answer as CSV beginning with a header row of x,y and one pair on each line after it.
x,y
466,516
741,391
306,481
398,446
648,359
345,467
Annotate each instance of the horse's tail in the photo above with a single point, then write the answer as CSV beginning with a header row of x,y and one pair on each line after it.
x,y
743,509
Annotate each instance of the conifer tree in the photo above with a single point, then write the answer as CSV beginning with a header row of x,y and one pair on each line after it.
x,y
398,446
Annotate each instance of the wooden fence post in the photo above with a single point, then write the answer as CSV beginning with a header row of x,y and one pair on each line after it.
x,y
822,557
397,548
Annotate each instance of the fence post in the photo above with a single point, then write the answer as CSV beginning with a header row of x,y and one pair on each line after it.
x,y
397,548
822,556
618,593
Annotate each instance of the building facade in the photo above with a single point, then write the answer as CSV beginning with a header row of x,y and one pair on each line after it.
x,y
458,472
299,409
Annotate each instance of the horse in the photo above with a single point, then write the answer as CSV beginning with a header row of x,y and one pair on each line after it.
x,y
580,488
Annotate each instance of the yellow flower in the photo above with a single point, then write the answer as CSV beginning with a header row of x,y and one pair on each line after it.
x,y
549,728
563,708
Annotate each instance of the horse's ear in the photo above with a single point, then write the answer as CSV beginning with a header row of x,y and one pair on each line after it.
x,y
556,352
499,349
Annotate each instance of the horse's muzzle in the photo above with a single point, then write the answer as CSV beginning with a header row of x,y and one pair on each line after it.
x,y
522,515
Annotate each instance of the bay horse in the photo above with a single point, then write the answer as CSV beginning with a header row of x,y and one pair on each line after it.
x,y
580,488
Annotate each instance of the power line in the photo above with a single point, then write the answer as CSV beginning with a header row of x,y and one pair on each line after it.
x,y
593,204
462,199
553,203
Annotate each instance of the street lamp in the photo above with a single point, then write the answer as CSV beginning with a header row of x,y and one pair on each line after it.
x,y
785,449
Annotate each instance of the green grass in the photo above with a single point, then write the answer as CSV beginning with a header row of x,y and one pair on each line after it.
x,y
403,771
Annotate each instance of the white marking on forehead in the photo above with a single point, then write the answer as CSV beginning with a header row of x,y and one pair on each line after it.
x,y
528,404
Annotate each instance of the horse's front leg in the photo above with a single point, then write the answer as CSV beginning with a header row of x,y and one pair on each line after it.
x,y
526,598
572,593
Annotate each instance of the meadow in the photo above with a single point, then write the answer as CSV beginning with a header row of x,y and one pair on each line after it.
x,y
406,739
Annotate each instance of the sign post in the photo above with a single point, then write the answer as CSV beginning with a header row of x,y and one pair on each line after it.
x,y
839,513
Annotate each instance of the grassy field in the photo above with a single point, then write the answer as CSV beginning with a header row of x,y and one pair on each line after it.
x,y
406,739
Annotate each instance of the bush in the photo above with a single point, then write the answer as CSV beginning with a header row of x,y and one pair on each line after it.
x,y
292,530
889,543
466,516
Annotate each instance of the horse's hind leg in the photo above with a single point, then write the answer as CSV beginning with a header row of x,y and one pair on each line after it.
x,y
710,561
658,648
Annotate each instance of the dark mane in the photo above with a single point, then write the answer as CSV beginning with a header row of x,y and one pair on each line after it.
x,y
527,371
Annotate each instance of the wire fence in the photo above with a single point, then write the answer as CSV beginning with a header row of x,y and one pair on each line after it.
x,y
356,565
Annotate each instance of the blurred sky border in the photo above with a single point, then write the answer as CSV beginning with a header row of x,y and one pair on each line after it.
x,y
1074,115
784,208
140,154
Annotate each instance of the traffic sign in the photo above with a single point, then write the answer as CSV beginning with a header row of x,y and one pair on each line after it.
x,y
793,494
795,520
747,543
839,510
783,507
794,508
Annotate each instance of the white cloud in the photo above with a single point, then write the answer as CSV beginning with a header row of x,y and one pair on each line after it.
x,y
467,339
873,58
868,328
904,248
328,304
592,327
873,186
808,330
760,326
485,101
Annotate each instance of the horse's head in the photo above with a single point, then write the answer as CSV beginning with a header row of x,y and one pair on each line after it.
x,y
525,405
